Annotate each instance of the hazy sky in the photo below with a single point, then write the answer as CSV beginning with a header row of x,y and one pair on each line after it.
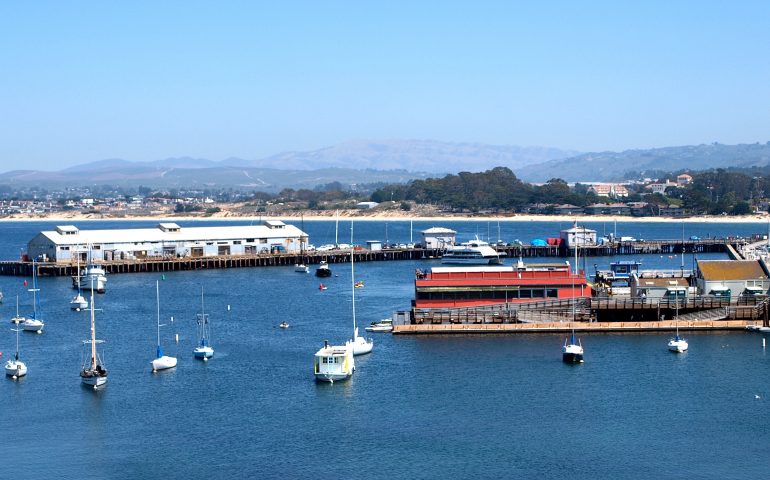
x,y
145,80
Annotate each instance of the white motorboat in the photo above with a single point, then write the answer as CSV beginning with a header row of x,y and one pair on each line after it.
x,y
204,351
301,268
381,326
474,252
334,363
161,361
93,276
15,368
35,322
93,372
283,324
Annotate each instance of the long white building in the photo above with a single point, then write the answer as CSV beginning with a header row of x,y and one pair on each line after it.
x,y
67,242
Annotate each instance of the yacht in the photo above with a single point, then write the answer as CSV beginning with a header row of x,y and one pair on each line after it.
x,y
333,363
474,252
16,368
91,272
93,373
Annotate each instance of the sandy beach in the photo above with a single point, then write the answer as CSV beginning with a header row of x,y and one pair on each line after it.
x,y
381,215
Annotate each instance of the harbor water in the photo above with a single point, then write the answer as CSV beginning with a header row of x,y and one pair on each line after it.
x,y
432,407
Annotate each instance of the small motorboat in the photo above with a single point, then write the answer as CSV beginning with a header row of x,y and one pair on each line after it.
x,y
79,303
283,324
359,284
301,268
381,326
322,287
323,270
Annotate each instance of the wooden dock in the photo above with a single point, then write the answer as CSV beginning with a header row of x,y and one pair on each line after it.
x,y
566,327
171,264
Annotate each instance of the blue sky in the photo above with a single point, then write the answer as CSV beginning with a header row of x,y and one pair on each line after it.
x,y
84,81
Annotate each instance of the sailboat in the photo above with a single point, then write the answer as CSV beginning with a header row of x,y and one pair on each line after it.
x,y
16,368
79,302
203,350
93,373
34,323
572,351
677,344
359,344
161,361
18,318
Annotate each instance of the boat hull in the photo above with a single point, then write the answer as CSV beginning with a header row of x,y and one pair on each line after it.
x,y
452,260
30,325
678,346
15,369
163,363
331,377
323,273
92,380
379,328
203,352
572,357
361,346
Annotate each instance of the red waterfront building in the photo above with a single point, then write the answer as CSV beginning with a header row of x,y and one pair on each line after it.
x,y
453,287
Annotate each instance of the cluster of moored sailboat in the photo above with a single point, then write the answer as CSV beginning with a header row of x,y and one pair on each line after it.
x,y
94,372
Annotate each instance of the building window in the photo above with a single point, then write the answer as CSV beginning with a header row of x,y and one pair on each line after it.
x,y
236,242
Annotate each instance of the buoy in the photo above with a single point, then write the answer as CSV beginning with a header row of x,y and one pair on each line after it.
x,y
39,332
763,343
205,359
14,377
228,308
177,338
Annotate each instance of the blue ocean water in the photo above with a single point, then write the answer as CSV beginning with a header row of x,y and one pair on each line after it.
x,y
417,407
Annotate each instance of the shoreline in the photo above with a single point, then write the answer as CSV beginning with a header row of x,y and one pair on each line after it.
x,y
365,216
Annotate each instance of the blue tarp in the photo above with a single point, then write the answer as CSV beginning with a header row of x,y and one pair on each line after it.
x,y
539,242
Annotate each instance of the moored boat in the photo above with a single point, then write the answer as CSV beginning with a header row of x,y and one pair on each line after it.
x,y
93,372
474,252
381,326
301,268
323,270
204,350
15,368
334,363
161,361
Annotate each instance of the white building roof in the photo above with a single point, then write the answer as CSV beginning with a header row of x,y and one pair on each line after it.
x,y
131,235
438,230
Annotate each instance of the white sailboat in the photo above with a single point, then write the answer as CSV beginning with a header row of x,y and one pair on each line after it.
x,y
677,344
16,368
35,322
93,373
572,351
18,318
360,345
334,363
79,302
161,361
203,350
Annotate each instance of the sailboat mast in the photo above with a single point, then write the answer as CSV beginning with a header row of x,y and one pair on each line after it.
x,y
157,303
352,281
93,330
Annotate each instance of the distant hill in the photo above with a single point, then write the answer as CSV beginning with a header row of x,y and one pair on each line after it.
x,y
611,166
250,178
359,162
416,155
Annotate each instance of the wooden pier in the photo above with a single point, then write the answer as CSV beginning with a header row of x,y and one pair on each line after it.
x,y
566,327
171,264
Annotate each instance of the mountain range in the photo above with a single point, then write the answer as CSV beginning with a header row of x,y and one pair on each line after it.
x,y
391,161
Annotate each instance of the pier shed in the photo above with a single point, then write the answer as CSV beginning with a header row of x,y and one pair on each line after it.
x,y
67,243
578,236
732,277
438,237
